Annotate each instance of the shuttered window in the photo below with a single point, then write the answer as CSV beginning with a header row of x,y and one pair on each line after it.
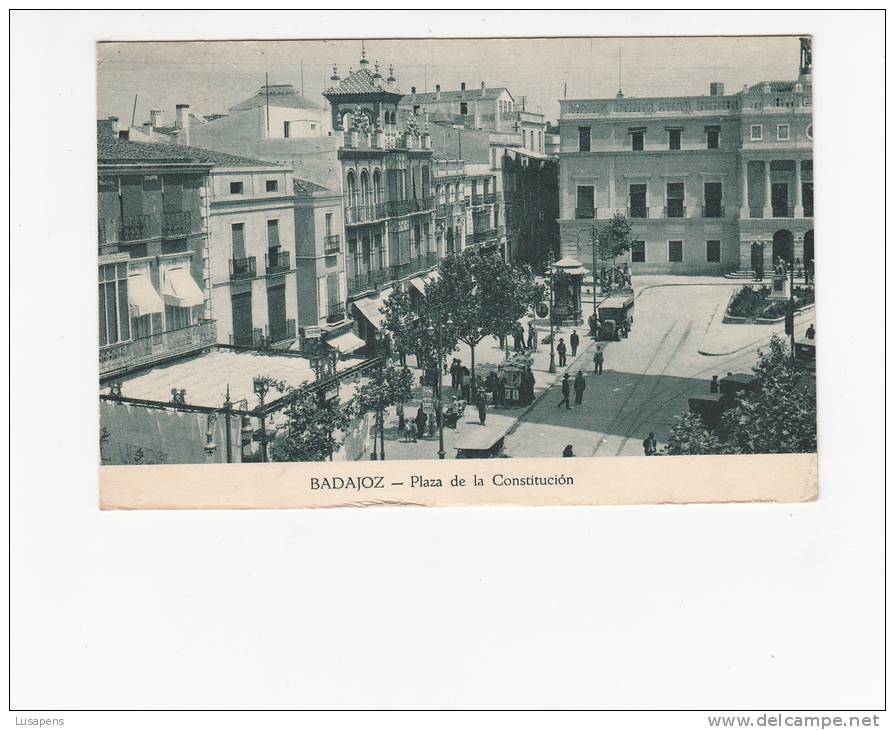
x,y
237,239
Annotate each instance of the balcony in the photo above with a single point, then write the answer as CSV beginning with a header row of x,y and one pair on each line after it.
x,y
280,331
713,210
675,210
276,261
134,228
431,259
638,212
359,283
585,213
781,211
399,271
478,199
365,213
242,268
160,346
335,312
332,244
443,211
756,211
490,198
176,223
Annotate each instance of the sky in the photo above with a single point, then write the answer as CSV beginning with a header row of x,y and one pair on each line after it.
x,y
211,76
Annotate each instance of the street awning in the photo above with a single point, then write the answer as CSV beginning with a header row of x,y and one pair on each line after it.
x,y
142,296
419,283
346,342
433,276
579,271
180,290
369,308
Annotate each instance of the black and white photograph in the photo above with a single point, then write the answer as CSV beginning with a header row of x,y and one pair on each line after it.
x,y
455,249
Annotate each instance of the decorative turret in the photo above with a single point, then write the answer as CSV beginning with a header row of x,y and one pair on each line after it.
x,y
376,75
335,77
805,61
391,80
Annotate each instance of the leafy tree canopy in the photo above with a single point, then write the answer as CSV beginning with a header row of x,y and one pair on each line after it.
x,y
614,238
310,430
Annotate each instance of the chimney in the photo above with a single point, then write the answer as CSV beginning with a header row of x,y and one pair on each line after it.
x,y
182,124
113,125
483,89
413,91
437,91
716,88
155,118
462,86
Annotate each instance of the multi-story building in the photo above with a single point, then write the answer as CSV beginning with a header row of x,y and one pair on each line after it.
x,y
450,205
154,279
711,184
387,182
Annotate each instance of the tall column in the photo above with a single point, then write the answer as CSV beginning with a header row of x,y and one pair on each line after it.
x,y
767,211
799,211
744,189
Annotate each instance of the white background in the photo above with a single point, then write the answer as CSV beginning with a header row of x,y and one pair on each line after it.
x,y
739,607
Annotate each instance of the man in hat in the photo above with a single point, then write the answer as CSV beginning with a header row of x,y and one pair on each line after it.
x,y
561,351
580,385
598,361
573,341
566,392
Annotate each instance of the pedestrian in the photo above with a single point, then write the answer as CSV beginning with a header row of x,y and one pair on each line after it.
x,y
518,339
455,366
532,337
566,391
714,385
421,419
482,408
573,341
649,444
593,322
561,351
401,422
464,382
402,358
411,432
568,450
809,333
580,385
598,361
528,381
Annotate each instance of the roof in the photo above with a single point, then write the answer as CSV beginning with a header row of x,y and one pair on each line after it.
x,y
280,95
362,81
115,149
306,187
777,87
468,95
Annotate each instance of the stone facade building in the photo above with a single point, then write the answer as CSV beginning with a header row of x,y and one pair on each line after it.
x,y
711,184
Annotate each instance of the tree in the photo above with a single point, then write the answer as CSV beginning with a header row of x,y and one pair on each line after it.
x,y
614,238
477,295
780,417
310,429
386,387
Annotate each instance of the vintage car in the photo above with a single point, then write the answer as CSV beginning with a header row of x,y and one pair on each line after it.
x,y
805,351
616,315
736,383
482,442
710,407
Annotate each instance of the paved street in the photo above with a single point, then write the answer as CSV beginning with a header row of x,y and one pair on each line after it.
x,y
645,383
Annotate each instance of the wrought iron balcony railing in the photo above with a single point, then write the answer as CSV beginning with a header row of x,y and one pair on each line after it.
x,y
490,198
332,244
335,312
160,346
582,213
713,210
276,261
359,283
242,268
756,211
781,211
676,211
637,211
176,223
134,228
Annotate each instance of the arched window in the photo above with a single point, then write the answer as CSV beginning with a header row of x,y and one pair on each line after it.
x,y
352,189
364,188
377,186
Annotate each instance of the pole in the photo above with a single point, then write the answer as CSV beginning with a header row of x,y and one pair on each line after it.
x,y
228,407
267,100
134,112
552,368
792,309
440,401
593,244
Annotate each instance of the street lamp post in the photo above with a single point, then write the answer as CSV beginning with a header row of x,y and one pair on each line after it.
x,y
594,235
439,403
792,310
261,386
552,368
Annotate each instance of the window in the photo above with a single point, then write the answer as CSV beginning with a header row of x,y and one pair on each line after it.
x,y
637,140
809,131
638,252
712,137
584,207
114,315
713,252
674,192
712,195
584,139
273,234
755,132
328,224
286,129
271,186
176,318
236,188
783,132
464,108
674,139
637,200
237,240
676,252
